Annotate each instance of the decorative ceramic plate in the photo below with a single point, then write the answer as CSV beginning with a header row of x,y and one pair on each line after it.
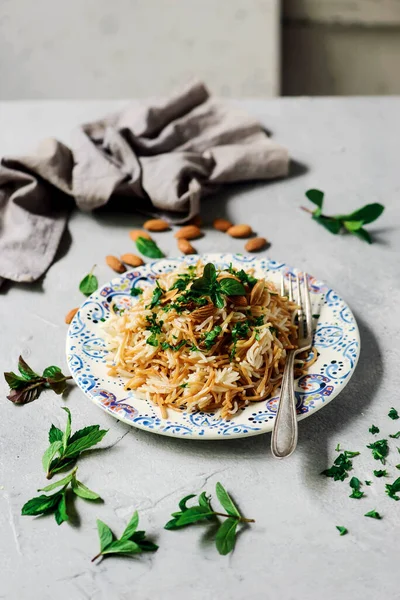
x,y
336,339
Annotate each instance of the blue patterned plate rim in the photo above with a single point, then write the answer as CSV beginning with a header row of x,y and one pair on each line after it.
x,y
336,339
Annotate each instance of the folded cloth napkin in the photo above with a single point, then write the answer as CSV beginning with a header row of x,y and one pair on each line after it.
x,y
161,158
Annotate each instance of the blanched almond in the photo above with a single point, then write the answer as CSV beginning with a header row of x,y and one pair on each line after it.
x,y
256,244
132,260
188,232
186,247
203,312
240,231
134,234
156,225
70,315
115,264
222,224
257,292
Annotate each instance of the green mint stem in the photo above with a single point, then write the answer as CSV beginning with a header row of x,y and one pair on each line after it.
x,y
306,210
240,519
97,556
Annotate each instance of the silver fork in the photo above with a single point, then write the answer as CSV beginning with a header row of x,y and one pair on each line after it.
x,y
284,435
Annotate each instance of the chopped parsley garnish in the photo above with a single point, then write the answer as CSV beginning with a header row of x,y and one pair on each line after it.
x,y
157,293
168,346
393,488
152,340
183,385
393,414
373,429
368,482
258,321
257,336
337,448
355,484
380,450
136,291
373,514
396,436
239,330
341,465
182,282
155,328
243,276
381,473
341,530
193,348
209,339
397,466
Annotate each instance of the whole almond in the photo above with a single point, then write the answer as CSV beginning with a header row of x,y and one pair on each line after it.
x,y
196,220
115,264
132,260
134,234
186,247
240,231
222,224
188,232
70,315
256,244
156,225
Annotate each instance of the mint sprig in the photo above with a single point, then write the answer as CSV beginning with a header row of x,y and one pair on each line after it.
x,y
89,283
57,503
28,385
207,285
65,448
226,535
130,542
352,223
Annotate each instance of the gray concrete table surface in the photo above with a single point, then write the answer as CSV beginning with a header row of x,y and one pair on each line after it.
x,y
350,149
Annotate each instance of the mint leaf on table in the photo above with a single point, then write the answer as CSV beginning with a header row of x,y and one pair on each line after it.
x,y
57,503
373,429
28,386
66,448
352,223
355,484
341,465
130,542
341,530
381,473
393,414
226,535
393,488
89,284
148,248
373,514
380,450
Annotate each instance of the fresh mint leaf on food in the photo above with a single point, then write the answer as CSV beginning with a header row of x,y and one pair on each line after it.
x,y
131,541
89,283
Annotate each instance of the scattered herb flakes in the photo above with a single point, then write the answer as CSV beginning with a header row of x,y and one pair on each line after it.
x,y
243,276
157,295
89,283
209,339
380,450
152,340
342,530
316,316
373,429
352,223
355,484
373,514
148,248
381,473
28,386
368,482
397,466
56,503
131,541
175,347
341,465
395,436
135,291
337,449
393,488
65,448
183,385
393,414
225,537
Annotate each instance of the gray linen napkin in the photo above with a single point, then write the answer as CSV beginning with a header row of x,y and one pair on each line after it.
x,y
162,158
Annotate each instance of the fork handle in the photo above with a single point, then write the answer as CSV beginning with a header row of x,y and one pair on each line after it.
x,y
284,435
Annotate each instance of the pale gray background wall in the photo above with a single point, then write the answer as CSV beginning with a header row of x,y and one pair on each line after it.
x,y
126,48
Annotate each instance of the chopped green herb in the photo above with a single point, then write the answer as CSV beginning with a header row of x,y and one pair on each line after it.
x,y
208,285
355,484
368,482
393,414
316,316
380,473
182,282
194,348
373,514
136,291
209,339
153,325
395,436
341,530
152,340
337,448
258,321
373,429
341,465
183,385
89,284
397,466
130,542
380,450
167,346
157,294
393,488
